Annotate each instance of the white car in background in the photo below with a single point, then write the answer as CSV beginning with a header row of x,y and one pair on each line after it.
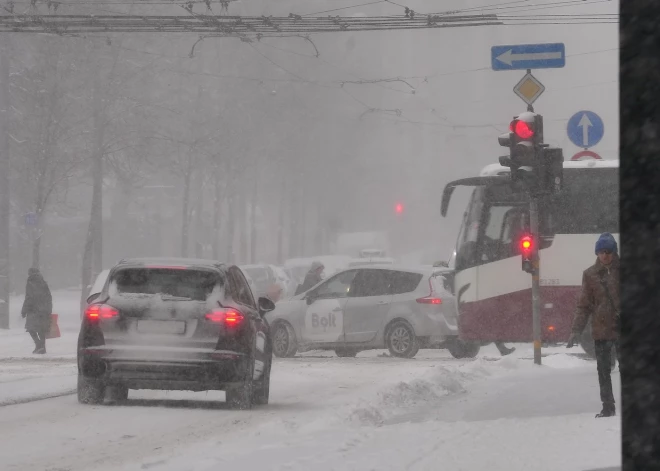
x,y
396,307
266,281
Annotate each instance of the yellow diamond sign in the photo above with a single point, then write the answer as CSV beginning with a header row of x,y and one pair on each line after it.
x,y
529,89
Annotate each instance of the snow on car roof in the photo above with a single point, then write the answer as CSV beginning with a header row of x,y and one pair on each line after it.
x,y
169,262
371,261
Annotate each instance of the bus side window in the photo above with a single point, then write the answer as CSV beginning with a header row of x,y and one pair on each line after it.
x,y
512,230
496,241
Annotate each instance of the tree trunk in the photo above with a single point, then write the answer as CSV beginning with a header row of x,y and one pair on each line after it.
x,y
303,219
293,218
217,214
36,248
97,195
185,214
231,229
86,275
242,227
198,222
93,252
5,193
253,219
280,223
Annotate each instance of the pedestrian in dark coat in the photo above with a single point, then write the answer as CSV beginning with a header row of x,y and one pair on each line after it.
x,y
599,301
312,278
37,309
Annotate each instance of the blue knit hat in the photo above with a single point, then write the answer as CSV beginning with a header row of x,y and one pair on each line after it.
x,y
606,242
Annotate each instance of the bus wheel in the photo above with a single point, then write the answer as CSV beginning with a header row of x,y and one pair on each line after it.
x,y
463,349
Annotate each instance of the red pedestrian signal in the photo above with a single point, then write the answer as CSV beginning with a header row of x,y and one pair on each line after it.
x,y
526,250
398,208
526,244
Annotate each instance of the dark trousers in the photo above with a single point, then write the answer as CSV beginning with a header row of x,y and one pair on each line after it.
x,y
39,338
604,366
502,348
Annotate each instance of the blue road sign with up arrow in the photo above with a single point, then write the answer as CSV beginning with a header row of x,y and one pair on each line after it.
x,y
528,56
585,129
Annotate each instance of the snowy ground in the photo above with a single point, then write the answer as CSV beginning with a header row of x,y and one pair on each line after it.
x,y
326,413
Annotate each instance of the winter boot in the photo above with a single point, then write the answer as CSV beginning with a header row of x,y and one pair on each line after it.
x,y
41,351
507,351
609,410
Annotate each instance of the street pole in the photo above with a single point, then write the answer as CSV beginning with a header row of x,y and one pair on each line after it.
x,y
536,286
4,189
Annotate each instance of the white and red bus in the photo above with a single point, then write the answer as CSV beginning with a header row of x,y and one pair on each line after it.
x,y
493,292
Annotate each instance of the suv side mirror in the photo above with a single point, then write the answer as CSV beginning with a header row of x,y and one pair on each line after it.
x,y
92,297
310,298
265,305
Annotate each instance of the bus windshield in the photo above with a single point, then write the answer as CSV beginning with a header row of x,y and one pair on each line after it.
x,y
588,204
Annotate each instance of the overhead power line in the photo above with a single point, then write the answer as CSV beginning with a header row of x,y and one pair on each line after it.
x,y
254,25
227,25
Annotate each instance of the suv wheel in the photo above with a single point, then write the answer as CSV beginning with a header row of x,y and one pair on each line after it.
x,y
401,340
240,397
346,352
90,390
284,341
118,394
462,349
262,388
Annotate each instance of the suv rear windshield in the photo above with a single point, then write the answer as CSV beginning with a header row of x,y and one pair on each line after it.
x,y
404,282
187,284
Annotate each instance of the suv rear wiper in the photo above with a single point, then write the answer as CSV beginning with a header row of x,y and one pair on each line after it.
x,y
168,297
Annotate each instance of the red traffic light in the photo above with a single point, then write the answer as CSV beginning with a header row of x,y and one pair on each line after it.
x,y
522,129
398,208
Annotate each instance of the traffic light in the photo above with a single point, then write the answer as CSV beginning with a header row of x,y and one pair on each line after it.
x,y
524,140
527,251
398,208
550,172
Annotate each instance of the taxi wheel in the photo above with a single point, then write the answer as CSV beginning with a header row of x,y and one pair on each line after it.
x,y
401,340
284,341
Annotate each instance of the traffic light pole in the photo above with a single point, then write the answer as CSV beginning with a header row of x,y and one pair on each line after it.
x,y
536,282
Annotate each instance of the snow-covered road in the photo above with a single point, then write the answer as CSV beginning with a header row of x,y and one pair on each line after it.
x,y
372,412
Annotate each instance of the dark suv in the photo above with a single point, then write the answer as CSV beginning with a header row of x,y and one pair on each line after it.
x,y
175,324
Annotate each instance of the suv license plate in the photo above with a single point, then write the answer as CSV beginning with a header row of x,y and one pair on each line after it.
x,y
161,327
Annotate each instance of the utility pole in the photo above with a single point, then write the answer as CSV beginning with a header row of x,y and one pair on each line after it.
x,y
4,189
537,168
536,283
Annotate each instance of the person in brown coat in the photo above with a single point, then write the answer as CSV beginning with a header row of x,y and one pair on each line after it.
x,y
600,301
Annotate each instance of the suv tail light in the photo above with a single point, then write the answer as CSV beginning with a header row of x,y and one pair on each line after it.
x,y
228,317
100,311
430,300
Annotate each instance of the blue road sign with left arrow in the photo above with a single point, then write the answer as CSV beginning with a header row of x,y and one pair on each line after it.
x,y
528,56
585,129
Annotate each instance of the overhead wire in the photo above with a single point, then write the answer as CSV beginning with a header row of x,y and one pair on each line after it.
x,y
344,8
